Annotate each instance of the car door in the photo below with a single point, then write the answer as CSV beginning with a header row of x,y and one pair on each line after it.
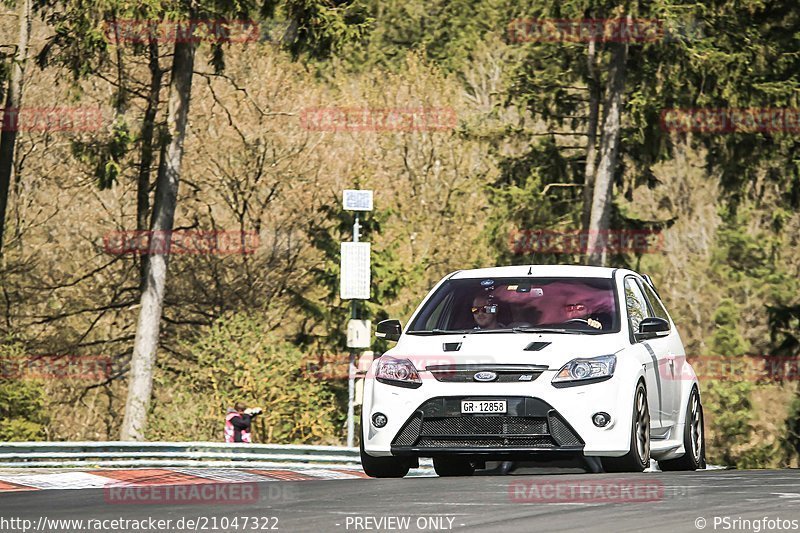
x,y
637,310
671,345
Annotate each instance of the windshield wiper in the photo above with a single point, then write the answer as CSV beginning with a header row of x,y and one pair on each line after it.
x,y
519,329
438,331
526,329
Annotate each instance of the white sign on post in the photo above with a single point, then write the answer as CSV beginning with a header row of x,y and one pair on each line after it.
x,y
357,200
355,274
362,368
358,333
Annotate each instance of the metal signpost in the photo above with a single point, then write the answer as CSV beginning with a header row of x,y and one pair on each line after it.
x,y
354,285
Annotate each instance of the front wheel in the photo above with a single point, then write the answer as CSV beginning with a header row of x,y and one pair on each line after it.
x,y
383,466
693,439
638,457
452,466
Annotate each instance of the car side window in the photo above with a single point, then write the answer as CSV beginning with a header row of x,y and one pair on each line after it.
x,y
433,319
636,303
655,303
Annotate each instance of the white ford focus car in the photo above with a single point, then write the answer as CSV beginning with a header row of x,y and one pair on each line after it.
x,y
533,362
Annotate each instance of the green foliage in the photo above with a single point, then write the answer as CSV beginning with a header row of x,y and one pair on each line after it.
x,y
324,307
238,359
78,43
319,28
22,401
791,444
5,69
749,267
105,157
519,98
446,32
730,408
761,455
784,327
743,58
524,199
727,339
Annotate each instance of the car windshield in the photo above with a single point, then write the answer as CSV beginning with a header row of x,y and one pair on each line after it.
x,y
559,305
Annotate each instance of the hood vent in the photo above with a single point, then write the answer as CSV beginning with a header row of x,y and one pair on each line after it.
x,y
451,346
536,346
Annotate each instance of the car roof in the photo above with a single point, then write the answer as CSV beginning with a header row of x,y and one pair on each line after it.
x,y
543,271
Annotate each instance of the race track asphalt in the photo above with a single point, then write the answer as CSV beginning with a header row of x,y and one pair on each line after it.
x,y
671,502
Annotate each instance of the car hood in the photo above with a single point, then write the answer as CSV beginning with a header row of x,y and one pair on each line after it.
x,y
553,350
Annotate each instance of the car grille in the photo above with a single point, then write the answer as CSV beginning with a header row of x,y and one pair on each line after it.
x,y
484,425
530,422
505,373
495,442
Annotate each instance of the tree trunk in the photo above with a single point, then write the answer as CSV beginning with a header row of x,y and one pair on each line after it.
x,y
591,134
146,158
8,136
609,149
140,382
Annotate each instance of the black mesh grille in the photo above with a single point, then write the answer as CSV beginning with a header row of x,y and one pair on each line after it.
x,y
484,425
524,426
539,442
408,435
562,433
486,442
530,423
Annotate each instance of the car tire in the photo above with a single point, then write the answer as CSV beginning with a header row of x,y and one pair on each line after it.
x,y
383,466
638,456
452,467
694,441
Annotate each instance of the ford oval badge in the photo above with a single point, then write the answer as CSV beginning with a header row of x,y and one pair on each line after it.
x,y
485,376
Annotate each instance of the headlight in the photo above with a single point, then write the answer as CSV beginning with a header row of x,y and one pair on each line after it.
x,y
584,369
400,372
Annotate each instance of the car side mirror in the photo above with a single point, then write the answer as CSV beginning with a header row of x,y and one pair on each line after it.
x,y
389,330
652,327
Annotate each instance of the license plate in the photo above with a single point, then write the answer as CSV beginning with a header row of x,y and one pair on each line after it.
x,y
483,406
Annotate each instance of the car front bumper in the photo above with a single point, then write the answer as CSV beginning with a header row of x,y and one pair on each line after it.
x,y
530,425
540,420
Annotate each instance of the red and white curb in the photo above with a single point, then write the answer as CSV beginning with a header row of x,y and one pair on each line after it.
x,y
148,477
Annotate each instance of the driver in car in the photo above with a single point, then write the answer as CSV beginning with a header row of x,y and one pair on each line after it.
x,y
484,312
577,312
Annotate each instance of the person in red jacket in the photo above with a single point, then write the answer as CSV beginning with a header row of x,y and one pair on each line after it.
x,y
237,422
